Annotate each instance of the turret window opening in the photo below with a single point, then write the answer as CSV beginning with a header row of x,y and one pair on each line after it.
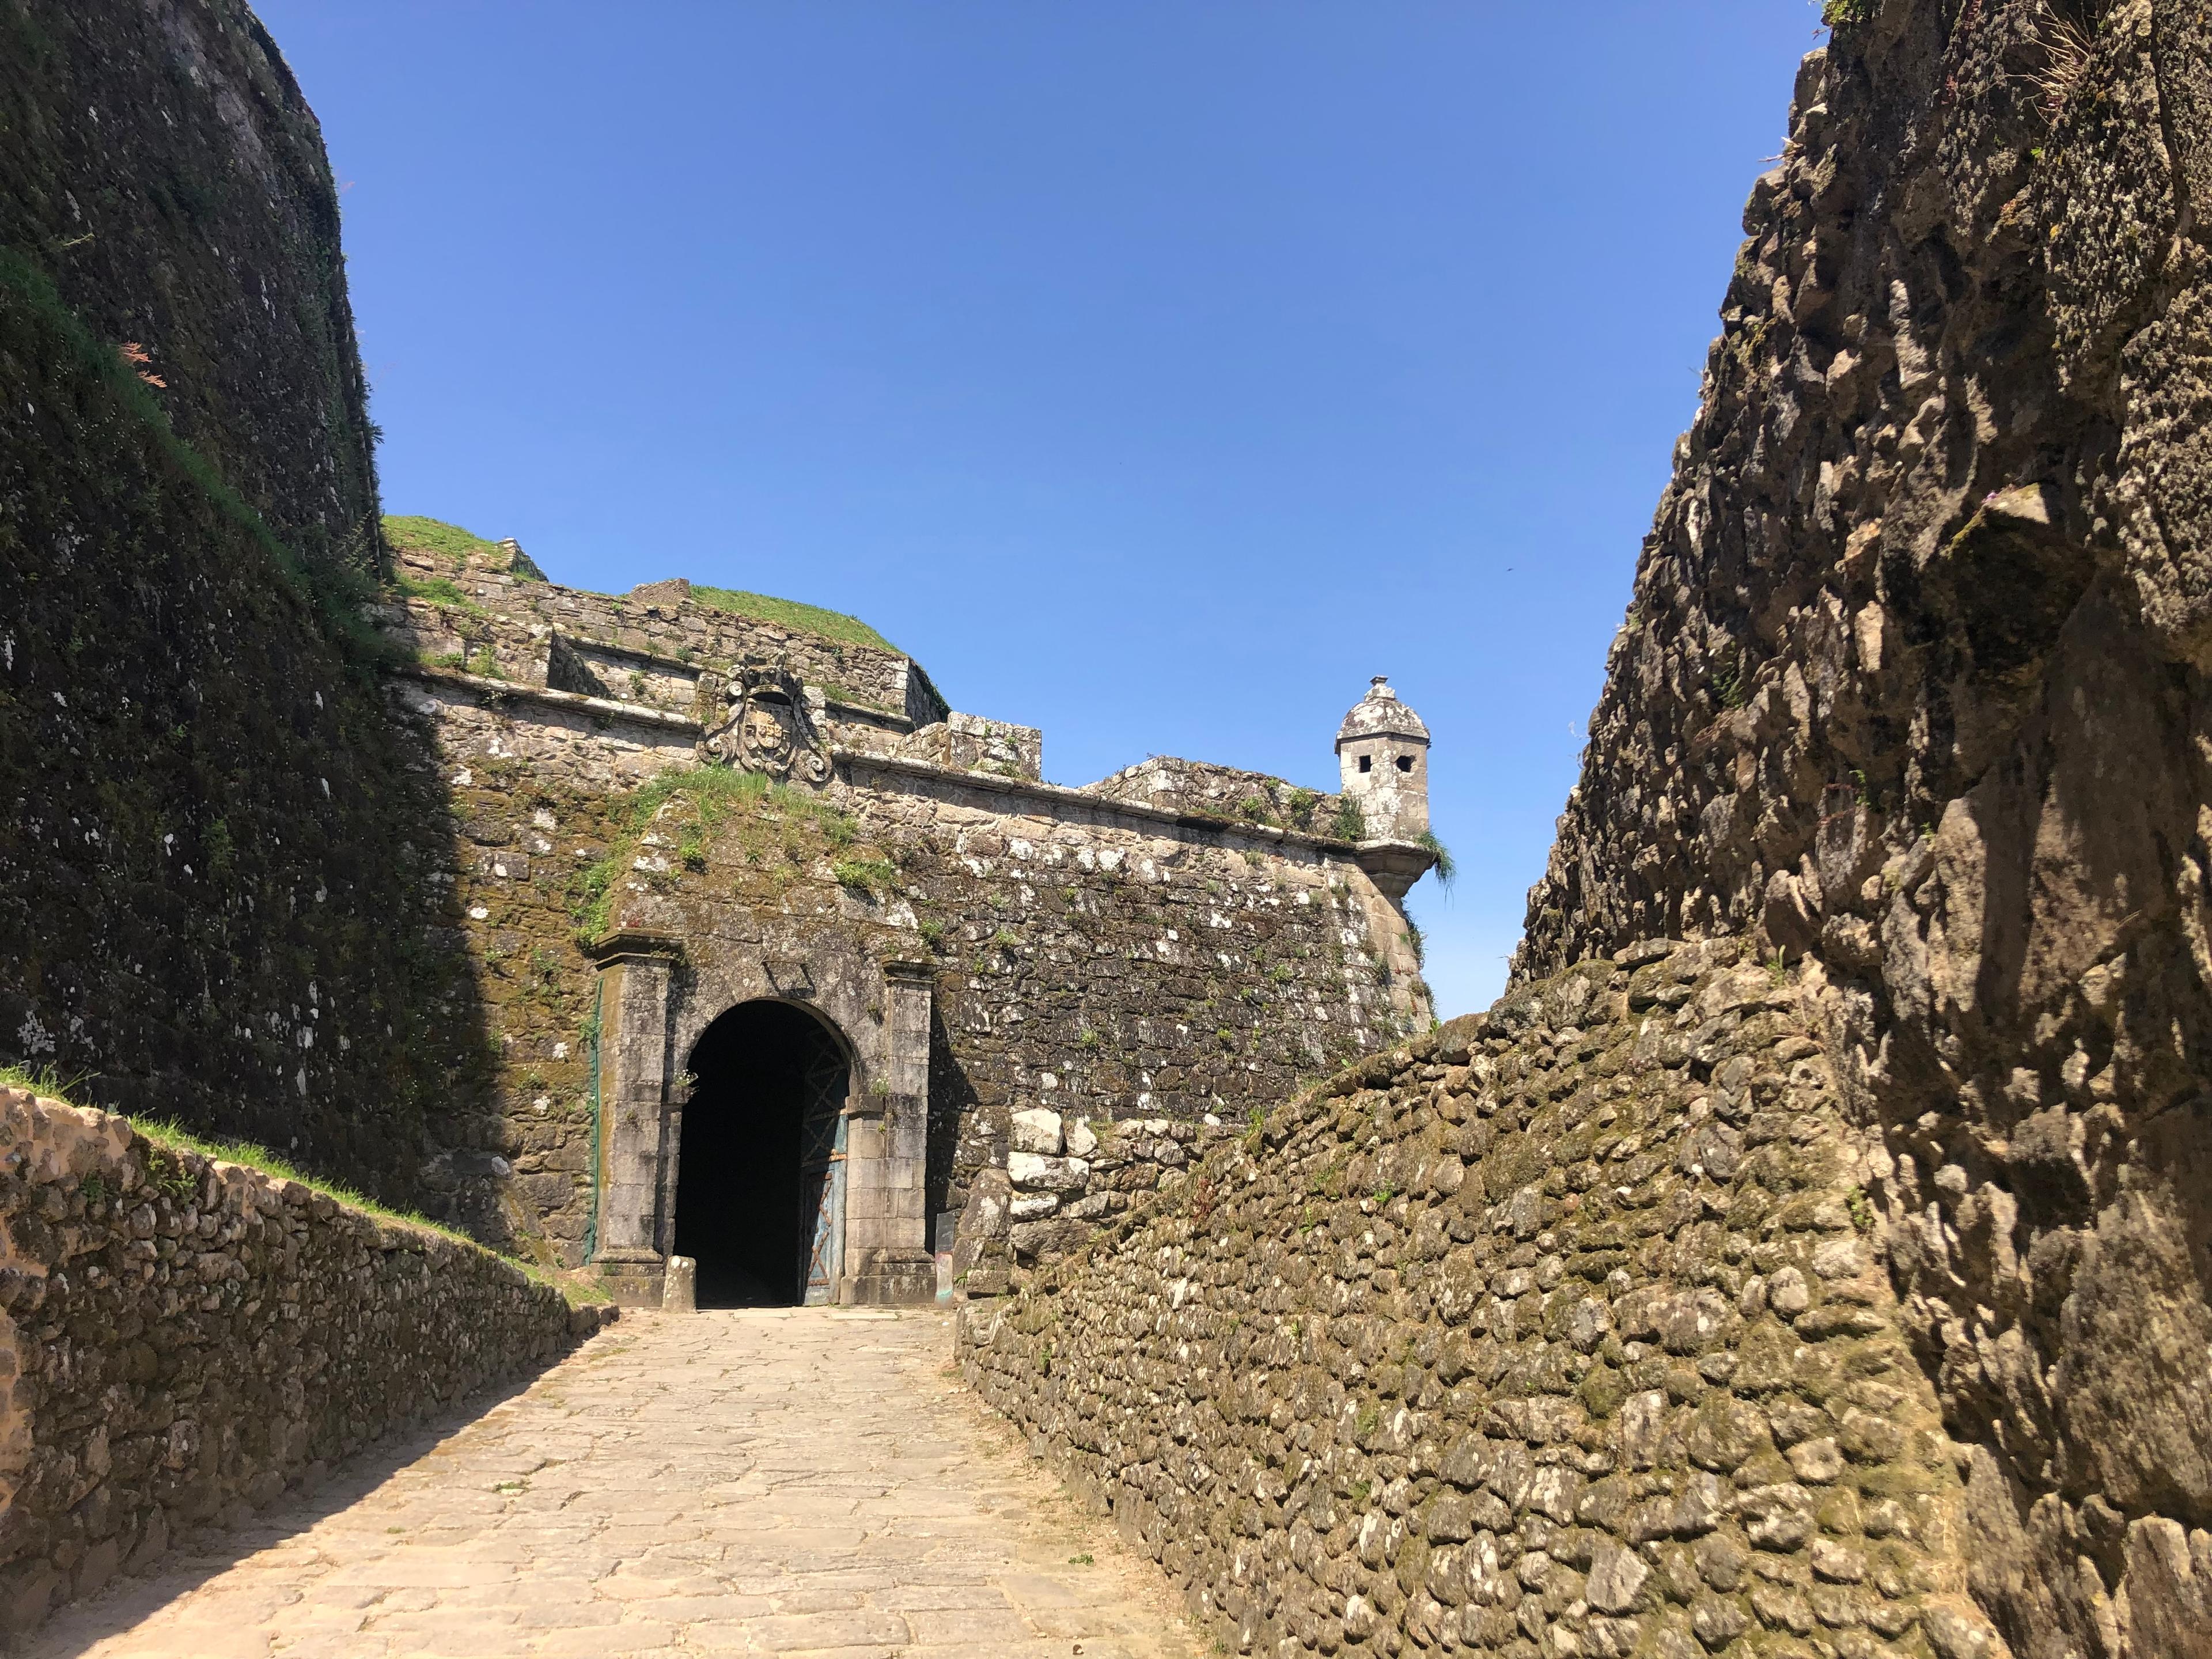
x,y
1367,762
1404,762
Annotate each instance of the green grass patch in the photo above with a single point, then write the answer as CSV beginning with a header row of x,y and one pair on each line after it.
x,y
869,876
711,797
790,613
438,590
416,534
40,1080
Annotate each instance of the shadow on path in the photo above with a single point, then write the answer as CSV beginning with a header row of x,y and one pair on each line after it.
x,y
207,1552
771,1481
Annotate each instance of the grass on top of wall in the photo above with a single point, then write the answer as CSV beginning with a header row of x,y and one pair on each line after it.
x,y
45,1081
438,590
420,535
412,532
834,625
173,1137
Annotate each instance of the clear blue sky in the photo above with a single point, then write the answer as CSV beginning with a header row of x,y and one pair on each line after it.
x,y
1155,371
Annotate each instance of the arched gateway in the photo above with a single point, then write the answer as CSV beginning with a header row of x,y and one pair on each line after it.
x,y
765,1113
760,1175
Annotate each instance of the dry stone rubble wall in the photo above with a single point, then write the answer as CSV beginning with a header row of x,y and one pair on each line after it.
x,y
1561,1330
182,1338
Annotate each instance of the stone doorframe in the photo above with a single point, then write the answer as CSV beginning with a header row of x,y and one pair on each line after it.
x,y
658,996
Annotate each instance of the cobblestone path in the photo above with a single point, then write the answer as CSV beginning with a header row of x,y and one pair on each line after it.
x,y
772,1482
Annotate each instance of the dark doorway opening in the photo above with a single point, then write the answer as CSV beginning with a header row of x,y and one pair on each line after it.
x,y
760,1174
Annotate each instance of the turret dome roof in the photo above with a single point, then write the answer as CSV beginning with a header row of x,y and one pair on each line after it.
x,y
1379,713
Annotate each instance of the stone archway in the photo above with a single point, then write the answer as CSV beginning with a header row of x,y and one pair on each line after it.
x,y
761,1157
659,996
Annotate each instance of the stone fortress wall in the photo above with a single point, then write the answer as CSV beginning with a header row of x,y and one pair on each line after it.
x,y
215,861
241,892
1906,713
183,1340
1914,685
1125,953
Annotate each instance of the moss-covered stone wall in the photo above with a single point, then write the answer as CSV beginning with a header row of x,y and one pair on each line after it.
x,y
1917,681
218,892
1561,1330
160,167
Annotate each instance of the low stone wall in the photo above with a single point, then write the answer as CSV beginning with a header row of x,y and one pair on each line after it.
x,y
1563,1330
1064,1178
183,1338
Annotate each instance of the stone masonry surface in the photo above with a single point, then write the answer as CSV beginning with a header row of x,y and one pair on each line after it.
x,y
1916,680
1123,952
214,861
754,1484
1561,1330
310,831
163,172
181,1338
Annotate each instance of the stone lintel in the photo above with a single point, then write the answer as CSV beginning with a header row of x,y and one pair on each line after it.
x,y
636,946
573,701
639,714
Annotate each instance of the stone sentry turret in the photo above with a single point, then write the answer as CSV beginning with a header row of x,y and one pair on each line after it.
x,y
1383,756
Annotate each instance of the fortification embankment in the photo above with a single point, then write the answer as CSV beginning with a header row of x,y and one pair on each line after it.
x,y
181,1338
1563,1329
1916,681
224,882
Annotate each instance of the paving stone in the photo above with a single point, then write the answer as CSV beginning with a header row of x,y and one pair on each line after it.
x,y
721,1484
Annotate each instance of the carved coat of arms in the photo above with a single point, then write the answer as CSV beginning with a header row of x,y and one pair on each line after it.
x,y
768,728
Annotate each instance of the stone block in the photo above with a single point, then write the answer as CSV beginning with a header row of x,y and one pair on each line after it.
x,y
1036,1130
1035,1239
679,1285
1034,1172
892,1277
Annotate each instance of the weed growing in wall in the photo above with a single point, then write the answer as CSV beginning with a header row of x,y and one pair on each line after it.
x,y
1446,868
874,877
438,590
